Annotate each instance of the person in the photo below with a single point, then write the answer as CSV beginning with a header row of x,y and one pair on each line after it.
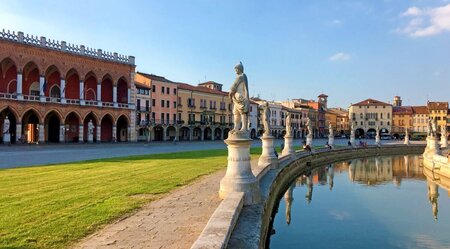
x,y
349,143
327,145
239,95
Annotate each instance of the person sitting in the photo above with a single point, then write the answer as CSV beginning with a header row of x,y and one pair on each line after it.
x,y
349,143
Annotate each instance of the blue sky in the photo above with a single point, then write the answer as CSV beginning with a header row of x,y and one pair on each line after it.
x,y
350,50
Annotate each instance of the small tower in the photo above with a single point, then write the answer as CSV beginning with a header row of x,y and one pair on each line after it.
x,y
323,99
397,101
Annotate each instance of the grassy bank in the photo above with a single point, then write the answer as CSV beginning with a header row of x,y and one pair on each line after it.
x,y
54,206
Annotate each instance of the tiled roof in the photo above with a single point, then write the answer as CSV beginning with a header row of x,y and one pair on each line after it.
x,y
400,110
155,77
420,109
437,105
209,82
142,86
371,102
199,89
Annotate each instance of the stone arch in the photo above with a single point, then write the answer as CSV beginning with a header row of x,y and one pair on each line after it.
x,y
106,124
197,133
52,123
359,133
107,88
371,133
8,73
253,133
72,123
158,132
122,90
55,91
30,125
72,90
122,128
87,118
90,86
12,111
52,78
184,133
217,133
171,132
207,133
31,76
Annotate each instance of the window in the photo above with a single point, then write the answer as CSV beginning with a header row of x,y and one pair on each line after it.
x,y
153,116
167,103
138,105
174,118
174,91
147,104
153,88
174,104
162,90
389,115
168,90
388,123
153,102
167,117
162,118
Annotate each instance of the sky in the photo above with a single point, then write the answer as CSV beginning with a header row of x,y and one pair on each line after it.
x,y
350,50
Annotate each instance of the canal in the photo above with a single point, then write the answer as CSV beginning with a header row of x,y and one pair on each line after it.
x,y
379,202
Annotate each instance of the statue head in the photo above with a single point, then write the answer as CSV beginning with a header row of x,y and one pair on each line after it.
x,y
239,68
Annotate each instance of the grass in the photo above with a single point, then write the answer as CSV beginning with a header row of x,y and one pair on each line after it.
x,y
54,206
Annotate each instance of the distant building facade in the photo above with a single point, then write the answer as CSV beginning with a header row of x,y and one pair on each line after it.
x,y
368,114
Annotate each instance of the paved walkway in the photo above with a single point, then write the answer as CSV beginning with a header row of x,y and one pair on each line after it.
x,y
174,222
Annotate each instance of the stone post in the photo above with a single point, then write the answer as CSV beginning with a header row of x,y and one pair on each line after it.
x,y
444,141
309,140
432,146
239,176
288,149
406,141
202,136
377,140
268,153
331,141
352,140
63,91
19,86
80,133
191,134
99,133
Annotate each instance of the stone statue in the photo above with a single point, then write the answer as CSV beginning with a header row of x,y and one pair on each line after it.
x,y
240,97
330,131
91,127
309,126
288,124
266,118
433,127
378,131
429,127
443,131
6,125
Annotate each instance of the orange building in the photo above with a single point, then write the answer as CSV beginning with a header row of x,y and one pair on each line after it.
x,y
51,90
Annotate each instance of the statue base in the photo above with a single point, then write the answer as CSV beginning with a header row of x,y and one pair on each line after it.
x,y
352,141
239,176
432,147
331,141
309,140
444,143
288,146
268,153
406,142
377,140
90,138
6,138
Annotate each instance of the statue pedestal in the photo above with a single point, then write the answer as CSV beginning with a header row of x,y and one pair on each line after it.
x,y
239,176
444,142
90,138
331,141
432,147
352,141
6,138
309,140
406,142
268,153
377,140
288,146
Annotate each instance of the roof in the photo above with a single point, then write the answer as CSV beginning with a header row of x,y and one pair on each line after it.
x,y
371,102
199,89
155,77
209,83
437,105
142,86
400,110
420,109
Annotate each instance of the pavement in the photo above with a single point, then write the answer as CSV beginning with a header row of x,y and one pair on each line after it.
x,y
33,155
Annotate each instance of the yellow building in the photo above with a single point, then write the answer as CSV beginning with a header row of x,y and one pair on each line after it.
x,y
367,115
420,118
402,119
438,111
204,111
338,118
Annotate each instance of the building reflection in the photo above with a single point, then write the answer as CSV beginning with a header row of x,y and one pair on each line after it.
x,y
434,181
288,198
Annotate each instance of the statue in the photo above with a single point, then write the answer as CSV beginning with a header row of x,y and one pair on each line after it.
x,y
378,131
330,131
433,127
6,125
309,126
443,131
288,124
352,131
91,127
240,97
429,127
266,118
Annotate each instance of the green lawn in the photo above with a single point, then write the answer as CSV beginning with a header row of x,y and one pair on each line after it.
x,y
54,206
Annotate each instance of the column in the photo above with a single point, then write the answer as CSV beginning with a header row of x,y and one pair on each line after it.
x,y
129,96
99,93
191,133
98,134
62,133
81,92
41,88
202,135
213,133
80,133
268,153
115,96
164,133
114,132
18,131
41,133
63,91
19,86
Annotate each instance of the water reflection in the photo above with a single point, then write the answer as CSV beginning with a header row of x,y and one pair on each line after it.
x,y
389,193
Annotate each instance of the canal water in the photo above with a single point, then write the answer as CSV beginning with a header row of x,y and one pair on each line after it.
x,y
381,202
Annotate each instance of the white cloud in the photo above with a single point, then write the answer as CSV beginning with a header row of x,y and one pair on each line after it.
x,y
426,21
340,57
337,22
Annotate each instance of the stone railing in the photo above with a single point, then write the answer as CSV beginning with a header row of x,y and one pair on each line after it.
x,y
228,228
63,46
